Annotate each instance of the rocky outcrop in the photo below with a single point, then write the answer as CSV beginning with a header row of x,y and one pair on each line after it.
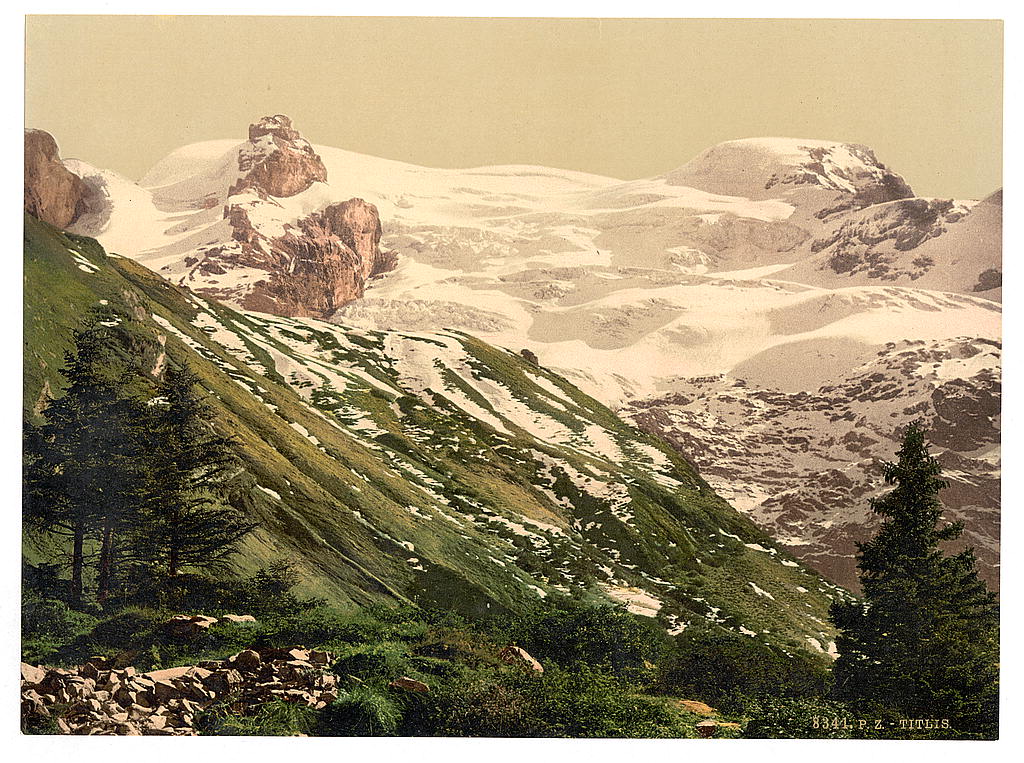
x,y
99,699
188,626
53,193
942,244
321,262
357,225
873,242
280,258
277,160
404,683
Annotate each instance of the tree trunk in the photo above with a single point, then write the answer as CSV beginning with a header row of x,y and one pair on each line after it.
x,y
77,557
172,566
106,554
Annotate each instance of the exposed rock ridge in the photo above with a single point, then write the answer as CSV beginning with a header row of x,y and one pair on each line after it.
x,y
804,465
282,258
846,175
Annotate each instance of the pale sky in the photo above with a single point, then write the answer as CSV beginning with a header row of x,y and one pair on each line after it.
x,y
622,98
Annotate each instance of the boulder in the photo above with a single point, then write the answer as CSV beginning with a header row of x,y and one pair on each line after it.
x,y
706,729
167,674
409,684
91,670
164,692
188,626
31,675
200,674
238,618
32,704
246,660
516,655
530,357
223,681
320,658
696,707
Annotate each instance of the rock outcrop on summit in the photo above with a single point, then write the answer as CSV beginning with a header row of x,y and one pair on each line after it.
x,y
765,168
259,227
314,263
53,193
277,161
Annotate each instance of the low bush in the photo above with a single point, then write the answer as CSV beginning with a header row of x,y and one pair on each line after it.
x,y
723,668
576,703
570,633
275,718
797,718
47,625
387,660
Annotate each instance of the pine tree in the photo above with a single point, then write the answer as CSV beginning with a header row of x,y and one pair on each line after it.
x,y
187,525
924,641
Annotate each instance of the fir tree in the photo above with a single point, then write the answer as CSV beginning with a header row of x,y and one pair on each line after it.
x,y
82,466
187,525
924,641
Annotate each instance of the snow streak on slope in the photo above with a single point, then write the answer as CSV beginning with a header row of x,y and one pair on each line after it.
x,y
587,489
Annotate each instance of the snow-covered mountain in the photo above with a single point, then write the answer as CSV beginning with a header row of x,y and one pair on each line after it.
x,y
786,263
253,223
805,463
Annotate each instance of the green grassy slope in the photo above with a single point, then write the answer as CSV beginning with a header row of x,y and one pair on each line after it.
x,y
431,468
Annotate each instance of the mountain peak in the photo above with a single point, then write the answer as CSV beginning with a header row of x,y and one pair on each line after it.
x,y
278,125
767,167
277,160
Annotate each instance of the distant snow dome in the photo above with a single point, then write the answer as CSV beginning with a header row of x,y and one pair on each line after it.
x,y
760,168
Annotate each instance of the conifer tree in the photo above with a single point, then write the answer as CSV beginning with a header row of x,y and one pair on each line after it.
x,y
82,466
187,526
923,643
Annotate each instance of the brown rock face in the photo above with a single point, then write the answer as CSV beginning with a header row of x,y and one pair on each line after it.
x,y
319,265
276,261
278,161
357,224
516,655
53,193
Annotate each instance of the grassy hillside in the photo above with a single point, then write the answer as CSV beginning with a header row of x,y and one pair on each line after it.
x,y
431,468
